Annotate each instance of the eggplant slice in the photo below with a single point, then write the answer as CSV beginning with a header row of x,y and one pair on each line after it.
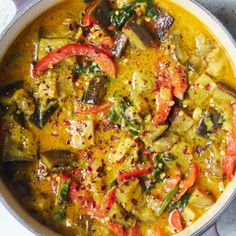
x,y
119,45
96,90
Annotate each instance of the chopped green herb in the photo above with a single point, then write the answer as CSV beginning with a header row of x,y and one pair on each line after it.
x,y
93,68
156,172
180,204
114,183
166,201
60,215
79,69
133,132
64,190
113,117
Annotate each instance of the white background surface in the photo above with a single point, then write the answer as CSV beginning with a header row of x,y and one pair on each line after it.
x,y
226,11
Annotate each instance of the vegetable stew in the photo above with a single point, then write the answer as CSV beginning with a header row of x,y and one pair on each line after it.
x,y
117,118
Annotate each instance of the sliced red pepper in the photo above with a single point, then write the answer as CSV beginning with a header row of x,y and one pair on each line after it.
x,y
160,232
117,229
134,231
168,85
173,181
229,163
94,109
110,200
164,104
179,82
106,44
76,49
87,20
123,176
175,220
64,177
189,181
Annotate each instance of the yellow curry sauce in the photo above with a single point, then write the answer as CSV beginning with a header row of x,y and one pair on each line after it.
x,y
140,143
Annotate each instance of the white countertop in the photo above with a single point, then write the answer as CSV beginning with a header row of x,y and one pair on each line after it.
x,y
225,10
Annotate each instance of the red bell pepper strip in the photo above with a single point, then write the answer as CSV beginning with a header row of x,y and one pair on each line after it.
x,y
229,163
179,82
110,200
173,181
169,84
123,176
117,229
134,231
189,181
159,232
87,20
76,49
94,109
164,104
175,220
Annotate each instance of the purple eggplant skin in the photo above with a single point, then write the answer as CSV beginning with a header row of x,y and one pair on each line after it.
x,y
161,24
96,90
202,128
139,33
99,12
226,88
119,45
212,116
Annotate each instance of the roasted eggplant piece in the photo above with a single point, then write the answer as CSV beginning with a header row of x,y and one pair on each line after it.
x,y
138,33
24,101
44,112
202,128
210,120
119,45
180,52
226,88
163,22
9,89
96,90
56,158
99,12
19,144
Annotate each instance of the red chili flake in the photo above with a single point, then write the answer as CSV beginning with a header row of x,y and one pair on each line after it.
x,y
214,130
146,152
134,201
104,187
89,186
75,171
67,122
208,87
89,169
67,141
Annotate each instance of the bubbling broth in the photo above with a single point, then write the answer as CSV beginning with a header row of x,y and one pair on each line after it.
x,y
118,118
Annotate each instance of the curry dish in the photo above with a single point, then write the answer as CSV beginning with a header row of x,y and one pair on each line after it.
x,y
117,118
